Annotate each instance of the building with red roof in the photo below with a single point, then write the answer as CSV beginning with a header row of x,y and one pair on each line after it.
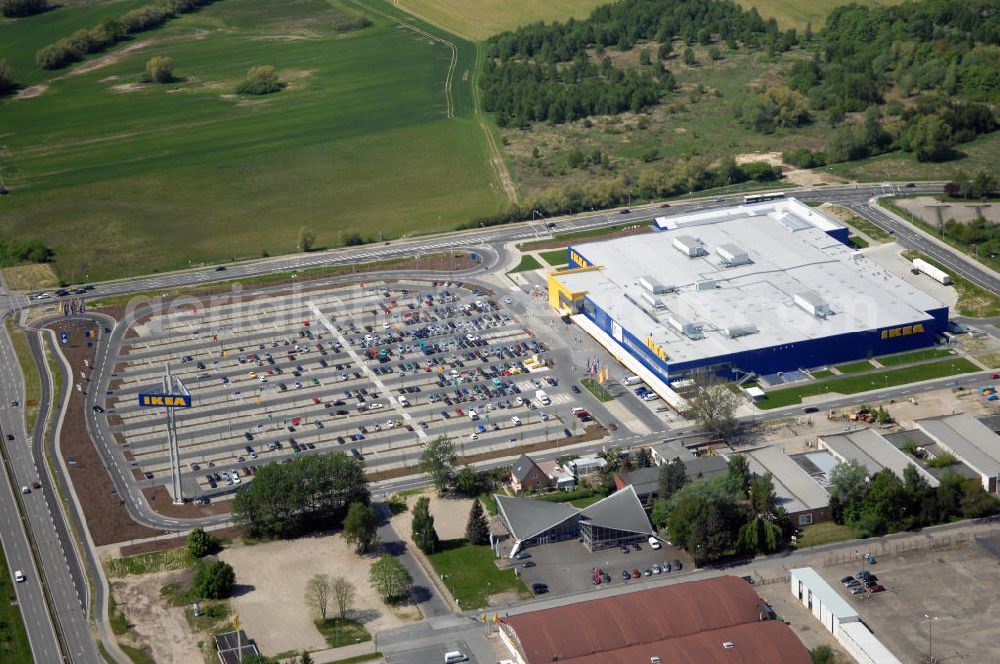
x,y
714,620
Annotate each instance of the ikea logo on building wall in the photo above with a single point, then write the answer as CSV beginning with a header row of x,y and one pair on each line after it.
x,y
904,331
578,259
164,400
655,347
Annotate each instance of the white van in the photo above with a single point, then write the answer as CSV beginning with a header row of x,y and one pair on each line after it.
x,y
631,380
454,656
654,543
404,402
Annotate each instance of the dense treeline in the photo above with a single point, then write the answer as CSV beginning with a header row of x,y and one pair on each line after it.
x,y
544,72
671,180
21,8
310,493
111,30
13,252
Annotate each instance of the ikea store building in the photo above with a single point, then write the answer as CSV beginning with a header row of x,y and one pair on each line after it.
x,y
761,288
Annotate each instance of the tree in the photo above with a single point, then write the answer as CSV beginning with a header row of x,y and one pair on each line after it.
x,y
438,461
762,534
307,239
477,530
704,518
660,513
849,482
214,580
200,543
689,58
389,578
714,53
310,493
317,595
713,406
343,593
467,482
160,69
643,459
7,83
663,52
21,8
882,508
260,80
822,655
738,475
423,533
928,137
673,477
361,526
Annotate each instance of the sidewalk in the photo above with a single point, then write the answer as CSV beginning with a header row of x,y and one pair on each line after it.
x,y
343,652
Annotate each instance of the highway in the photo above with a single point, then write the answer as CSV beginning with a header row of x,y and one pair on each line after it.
x,y
54,545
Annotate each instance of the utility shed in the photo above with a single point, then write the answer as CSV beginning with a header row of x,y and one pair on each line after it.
x,y
823,602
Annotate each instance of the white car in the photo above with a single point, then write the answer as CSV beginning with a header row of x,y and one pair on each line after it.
x,y
19,576
654,543
516,420
375,405
236,476
519,401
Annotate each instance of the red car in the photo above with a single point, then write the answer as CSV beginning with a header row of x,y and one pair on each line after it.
x,y
877,588
612,426
636,573
995,376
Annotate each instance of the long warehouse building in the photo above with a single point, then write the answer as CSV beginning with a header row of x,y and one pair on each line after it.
x,y
757,288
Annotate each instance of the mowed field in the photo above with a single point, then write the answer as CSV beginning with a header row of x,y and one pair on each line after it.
x,y
120,177
479,19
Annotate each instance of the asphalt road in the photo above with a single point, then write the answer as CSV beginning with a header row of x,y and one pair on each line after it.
x,y
54,548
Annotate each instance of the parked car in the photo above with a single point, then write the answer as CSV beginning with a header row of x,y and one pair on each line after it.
x,y
539,588
636,573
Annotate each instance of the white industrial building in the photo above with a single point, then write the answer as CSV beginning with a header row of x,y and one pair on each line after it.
x,y
838,617
971,441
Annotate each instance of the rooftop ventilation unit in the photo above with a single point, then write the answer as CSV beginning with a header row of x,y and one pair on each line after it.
x,y
728,645
685,327
653,285
812,304
689,246
732,255
734,331
651,300
708,284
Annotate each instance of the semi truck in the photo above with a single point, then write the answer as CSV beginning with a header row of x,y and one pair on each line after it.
x,y
935,273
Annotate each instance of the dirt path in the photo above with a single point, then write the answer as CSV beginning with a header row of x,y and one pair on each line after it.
x,y
31,91
800,176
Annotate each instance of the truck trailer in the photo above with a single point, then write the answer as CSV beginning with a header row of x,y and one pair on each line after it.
x,y
935,273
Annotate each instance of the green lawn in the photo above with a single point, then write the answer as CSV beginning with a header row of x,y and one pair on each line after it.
x,y
855,367
32,379
14,647
471,574
913,356
555,257
489,502
868,228
137,655
585,502
873,381
821,373
527,263
858,242
149,179
823,533
342,632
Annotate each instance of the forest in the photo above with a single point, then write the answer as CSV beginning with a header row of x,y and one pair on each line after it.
x,y
921,74
545,73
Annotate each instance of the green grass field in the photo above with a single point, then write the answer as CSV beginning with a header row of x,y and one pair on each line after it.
x,y
821,373
913,356
14,648
854,384
982,153
816,534
120,179
554,257
32,379
342,632
527,263
471,574
796,13
855,367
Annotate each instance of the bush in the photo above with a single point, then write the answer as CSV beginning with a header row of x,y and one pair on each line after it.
x,y
200,543
160,69
57,55
7,83
214,580
804,158
21,8
260,80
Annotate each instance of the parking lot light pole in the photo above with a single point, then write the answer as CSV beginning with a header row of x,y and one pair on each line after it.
x,y
930,637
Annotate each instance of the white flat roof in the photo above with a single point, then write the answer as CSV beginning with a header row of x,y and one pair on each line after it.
x,y
790,253
872,451
830,598
967,438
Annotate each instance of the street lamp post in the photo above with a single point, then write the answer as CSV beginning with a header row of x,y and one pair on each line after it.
x,y
930,637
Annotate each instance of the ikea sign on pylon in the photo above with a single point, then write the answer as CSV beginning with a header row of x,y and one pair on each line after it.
x,y
164,400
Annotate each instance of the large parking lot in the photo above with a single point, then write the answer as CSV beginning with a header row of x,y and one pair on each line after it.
x,y
567,567
374,370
